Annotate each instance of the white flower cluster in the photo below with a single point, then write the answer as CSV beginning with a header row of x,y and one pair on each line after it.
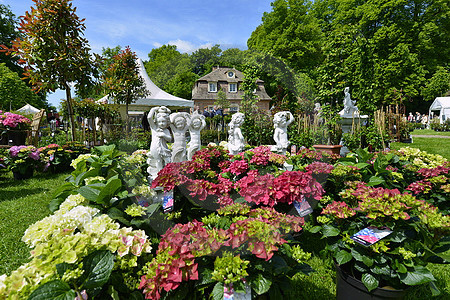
x,y
80,158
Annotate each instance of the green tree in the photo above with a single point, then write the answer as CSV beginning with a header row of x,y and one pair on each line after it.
x,y
54,50
438,85
290,32
122,80
204,59
14,93
222,100
233,58
8,33
167,67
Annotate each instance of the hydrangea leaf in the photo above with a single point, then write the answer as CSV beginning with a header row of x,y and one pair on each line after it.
x,y
97,267
419,275
369,281
53,290
261,284
217,292
343,257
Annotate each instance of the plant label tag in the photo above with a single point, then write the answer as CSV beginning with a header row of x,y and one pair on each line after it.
x,y
168,202
303,208
370,235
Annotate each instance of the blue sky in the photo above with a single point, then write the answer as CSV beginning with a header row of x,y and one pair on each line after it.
x,y
144,25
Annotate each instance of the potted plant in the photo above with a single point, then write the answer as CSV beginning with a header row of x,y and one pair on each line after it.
x,y
55,158
328,134
22,161
14,127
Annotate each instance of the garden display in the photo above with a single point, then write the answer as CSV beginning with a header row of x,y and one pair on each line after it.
x,y
234,224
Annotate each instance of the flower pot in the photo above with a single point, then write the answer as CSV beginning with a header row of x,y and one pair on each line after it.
x,y
332,149
25,175
349,287
17,137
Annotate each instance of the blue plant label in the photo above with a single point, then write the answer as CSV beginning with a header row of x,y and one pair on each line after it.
x,y
370,235
303,208
168,202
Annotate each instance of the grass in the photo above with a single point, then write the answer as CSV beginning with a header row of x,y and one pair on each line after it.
x,y
22,203
431,145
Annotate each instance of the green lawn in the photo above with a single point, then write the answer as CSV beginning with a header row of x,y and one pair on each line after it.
x,y
430,132
429,144
22,203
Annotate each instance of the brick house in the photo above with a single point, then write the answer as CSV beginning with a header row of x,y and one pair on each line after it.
x,y
206,88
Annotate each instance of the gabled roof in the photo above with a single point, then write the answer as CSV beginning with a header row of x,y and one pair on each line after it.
x,y
156,96
221,74
439,103
28,109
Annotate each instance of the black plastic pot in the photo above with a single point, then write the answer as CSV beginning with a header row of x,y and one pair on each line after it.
x,y
350,288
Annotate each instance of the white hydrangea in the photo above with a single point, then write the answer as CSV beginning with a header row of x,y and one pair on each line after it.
x,y
71,202
81,158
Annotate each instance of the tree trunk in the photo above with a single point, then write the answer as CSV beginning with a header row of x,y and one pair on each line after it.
x,y
70,110
127,120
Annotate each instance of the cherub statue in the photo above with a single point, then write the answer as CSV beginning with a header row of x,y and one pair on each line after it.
x,y
197,124
159,154
349,104
281,122
179,123
236,140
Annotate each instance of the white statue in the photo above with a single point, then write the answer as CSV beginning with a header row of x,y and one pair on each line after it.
x,y
159,154
236,141
281,122
179,123
349,104
197,124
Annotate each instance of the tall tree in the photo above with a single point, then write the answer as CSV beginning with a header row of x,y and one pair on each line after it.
x,y
8,33
122,80
53,49
171,70
205,58
289,31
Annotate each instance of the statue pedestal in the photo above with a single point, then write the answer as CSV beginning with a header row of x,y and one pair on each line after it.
x,y
347,121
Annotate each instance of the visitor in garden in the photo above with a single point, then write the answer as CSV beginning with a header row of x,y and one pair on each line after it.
x,y
179,124
159,154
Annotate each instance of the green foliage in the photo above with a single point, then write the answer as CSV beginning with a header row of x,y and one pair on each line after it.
x,y
437,85
14,93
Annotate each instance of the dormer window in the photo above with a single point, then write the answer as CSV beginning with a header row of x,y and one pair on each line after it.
x,y
230,74
212,87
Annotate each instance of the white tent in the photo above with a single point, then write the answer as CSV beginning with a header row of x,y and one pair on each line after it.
x,y
28,109
156,97
441,105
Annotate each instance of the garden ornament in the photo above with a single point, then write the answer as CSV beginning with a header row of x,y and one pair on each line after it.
x,y
281,121
197,124
179,123
236,140
159,154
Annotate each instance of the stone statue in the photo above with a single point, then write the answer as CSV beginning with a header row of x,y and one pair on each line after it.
x,y
349,104
197,124
281,122
159,154
179,123
236,141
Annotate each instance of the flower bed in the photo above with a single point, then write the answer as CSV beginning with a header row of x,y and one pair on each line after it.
x,y
110,234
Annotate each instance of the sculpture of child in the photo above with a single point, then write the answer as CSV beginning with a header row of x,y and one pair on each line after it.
x,y
281,122
179,123
159,154
349,104
236,140
197,124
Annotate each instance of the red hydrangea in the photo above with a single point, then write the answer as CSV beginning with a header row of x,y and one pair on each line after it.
x,y
318,167
339,209
291,185
428,173
421,186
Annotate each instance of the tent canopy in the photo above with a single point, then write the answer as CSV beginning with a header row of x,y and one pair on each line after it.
x,y
156,96
441,104
28,109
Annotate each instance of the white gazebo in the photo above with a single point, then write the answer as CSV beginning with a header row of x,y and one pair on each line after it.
x,y
156,97
28,109
442,106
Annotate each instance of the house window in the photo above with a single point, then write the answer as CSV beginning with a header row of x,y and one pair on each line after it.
x,y
230,74
212,87
232,87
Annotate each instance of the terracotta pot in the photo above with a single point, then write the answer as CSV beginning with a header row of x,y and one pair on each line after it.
x,y
349,287
332,149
